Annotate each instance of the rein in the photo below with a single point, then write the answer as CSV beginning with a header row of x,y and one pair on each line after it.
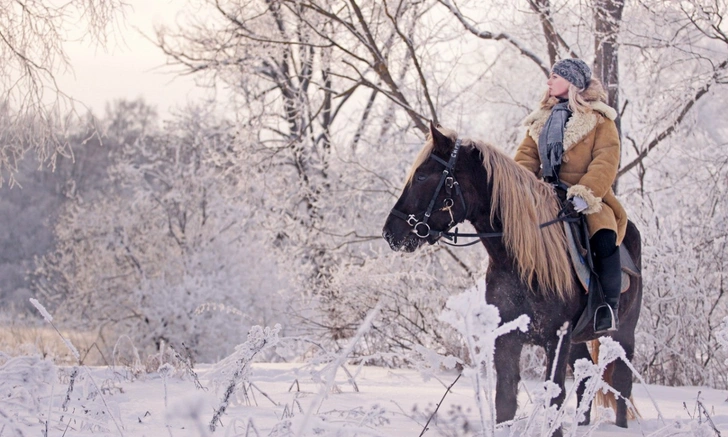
x,y
421,228
453,236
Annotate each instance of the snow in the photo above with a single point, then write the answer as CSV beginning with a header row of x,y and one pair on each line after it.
x,y
390,402
328,395
41,309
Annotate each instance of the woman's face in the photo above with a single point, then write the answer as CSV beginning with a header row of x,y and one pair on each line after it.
x,y
558,86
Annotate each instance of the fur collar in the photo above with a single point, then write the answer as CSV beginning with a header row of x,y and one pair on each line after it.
x,y
578,126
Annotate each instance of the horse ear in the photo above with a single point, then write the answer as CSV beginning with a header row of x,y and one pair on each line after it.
x,y
439,140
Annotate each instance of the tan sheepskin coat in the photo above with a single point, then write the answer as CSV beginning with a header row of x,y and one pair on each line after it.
x,y
590,162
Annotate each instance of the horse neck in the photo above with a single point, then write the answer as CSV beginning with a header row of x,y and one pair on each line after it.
x,y
479,216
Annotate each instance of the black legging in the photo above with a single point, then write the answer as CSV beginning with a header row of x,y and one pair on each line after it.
x,y
606,262
603,243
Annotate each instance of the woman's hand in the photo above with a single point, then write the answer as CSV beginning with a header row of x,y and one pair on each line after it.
x,y
579,204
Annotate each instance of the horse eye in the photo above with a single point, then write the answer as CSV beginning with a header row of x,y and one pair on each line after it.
x,y
421,178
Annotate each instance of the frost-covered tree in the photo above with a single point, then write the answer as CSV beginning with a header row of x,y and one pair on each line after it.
x,y
331,99
32,37
168,253
30,208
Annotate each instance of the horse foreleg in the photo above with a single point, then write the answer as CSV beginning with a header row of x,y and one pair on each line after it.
x,y
579,351
508,370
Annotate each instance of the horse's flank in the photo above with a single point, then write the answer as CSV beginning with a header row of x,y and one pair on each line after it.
x,y
522,203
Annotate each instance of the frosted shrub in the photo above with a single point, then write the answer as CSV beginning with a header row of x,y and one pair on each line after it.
x,y
478,323
677,341
25,384
412,290
234,371
680,210
722,336
170,238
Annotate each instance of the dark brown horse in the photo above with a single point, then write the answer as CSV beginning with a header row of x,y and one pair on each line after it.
x,y
454,180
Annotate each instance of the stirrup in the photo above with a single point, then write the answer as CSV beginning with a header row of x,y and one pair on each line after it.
x,y
613,320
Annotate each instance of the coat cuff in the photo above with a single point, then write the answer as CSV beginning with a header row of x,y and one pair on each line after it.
x,y
594,203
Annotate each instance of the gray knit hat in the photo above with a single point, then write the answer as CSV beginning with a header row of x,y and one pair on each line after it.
x,y
574,70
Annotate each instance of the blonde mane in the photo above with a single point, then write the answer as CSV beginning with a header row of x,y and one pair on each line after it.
x,y
425,153
522,203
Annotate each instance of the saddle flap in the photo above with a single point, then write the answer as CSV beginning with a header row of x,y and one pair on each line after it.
x,y
627,262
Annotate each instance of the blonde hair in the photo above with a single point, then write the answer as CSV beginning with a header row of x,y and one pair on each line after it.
x,y
579,99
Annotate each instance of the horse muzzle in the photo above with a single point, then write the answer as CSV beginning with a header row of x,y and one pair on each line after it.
x,y
409,242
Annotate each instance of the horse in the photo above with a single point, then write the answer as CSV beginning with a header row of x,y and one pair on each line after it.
x,y
529,271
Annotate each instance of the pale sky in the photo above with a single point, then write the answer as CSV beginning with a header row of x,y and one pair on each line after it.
x,y
131,66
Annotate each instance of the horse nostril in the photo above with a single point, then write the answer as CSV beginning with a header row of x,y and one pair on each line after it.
x,y
386,234
389,238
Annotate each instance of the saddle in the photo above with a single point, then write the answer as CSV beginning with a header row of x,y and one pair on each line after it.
x,y
576,243
577,240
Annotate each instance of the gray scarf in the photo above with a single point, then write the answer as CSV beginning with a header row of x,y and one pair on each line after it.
x,y
551,141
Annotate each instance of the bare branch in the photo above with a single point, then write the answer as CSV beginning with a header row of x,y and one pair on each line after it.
x,y
32,37
553,38
671,129
484,34
415,60
382,69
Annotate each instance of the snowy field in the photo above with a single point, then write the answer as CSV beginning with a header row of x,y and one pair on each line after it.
x,y
327,395
391,402
281,397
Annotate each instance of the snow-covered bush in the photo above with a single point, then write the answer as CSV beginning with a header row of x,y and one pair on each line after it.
x,y
685,259
167,255
24,381
235,369
411,290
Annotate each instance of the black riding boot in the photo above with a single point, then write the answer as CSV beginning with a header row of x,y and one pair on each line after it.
x,y
610,277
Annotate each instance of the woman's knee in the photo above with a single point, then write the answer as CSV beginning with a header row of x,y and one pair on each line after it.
x,y
603,243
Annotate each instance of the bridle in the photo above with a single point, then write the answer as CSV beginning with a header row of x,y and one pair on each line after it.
x,y
419,224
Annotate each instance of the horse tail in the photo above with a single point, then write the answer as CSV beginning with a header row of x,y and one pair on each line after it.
x,y
608,400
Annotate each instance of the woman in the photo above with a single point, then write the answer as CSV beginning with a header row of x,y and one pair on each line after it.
x,y
572,139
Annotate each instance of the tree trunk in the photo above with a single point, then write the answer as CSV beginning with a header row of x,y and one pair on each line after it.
x,y
607,19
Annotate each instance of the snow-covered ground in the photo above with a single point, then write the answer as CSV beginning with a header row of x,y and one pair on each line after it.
x,y
325,396
389,402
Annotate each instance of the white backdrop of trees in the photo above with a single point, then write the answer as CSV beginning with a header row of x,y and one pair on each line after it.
x,y
270,211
